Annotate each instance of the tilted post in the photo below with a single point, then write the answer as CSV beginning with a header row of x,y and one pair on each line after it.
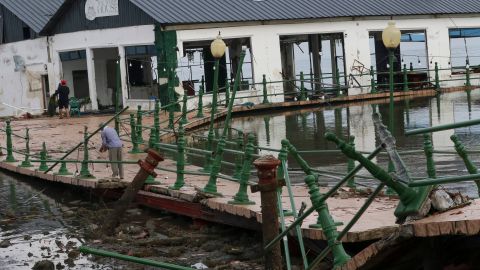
x,y
8,131
43,157
428,149
437,78
462,152
211,186
405,78
468,84
303,95
180,181
351,165
340,257
268,185
372,81
242,196
184,119
147,167
139,127
200,102
133,136
84,172
265,92
26,162
238,157
411,66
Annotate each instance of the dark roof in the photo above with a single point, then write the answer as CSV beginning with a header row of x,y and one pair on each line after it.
x,y
34,13
207,11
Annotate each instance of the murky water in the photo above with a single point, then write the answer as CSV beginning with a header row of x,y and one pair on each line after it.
x,y
32,221
306,128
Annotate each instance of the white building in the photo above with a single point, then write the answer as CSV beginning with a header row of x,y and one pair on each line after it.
x,y
84,40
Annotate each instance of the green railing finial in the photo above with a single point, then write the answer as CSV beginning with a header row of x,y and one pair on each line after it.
x,y
43,157
8,130
84,172
26,162
428,149
180,181
242,195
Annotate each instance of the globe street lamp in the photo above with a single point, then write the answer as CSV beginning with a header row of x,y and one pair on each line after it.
x,y
391,39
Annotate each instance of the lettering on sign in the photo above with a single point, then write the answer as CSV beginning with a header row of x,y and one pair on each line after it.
x,y
100,8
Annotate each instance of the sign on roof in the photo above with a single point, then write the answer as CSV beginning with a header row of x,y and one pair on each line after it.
x,y
100,8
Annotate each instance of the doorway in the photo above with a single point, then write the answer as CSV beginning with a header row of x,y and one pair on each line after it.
x,y
80,83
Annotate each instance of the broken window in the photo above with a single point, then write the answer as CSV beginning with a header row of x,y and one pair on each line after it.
x,y
321,59
198,62
142,73
411,54
464,47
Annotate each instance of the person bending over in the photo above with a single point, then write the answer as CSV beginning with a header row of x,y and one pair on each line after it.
x,y
111,142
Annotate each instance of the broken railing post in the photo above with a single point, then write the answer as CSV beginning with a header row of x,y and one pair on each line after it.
x,y
340,257
133,135
265,92
411,200
139,126
405,78
147,167
437,78
43,157
180,181
428,149
8,131
293,151
303,95
200,102
238,157
373,87
242,196
472,169
184,119
268,185
26,162
351,165
84,172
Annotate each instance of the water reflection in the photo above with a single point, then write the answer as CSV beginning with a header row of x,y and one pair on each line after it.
x,y
306,128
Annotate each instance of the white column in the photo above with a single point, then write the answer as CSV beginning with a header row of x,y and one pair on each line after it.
x,y
92,86
438,45
357,47
123,74
56,73
267,60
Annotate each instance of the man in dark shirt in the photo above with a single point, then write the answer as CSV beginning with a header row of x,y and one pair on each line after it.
x,y
63,91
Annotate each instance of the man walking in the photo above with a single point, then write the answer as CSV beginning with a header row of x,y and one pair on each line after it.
x,y
111,142
63,95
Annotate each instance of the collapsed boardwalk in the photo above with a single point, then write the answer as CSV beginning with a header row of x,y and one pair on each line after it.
x,y
377,222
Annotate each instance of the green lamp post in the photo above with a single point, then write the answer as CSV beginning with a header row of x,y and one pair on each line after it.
x,y
391,39
217,49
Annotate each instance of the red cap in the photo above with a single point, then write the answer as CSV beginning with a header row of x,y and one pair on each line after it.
x,y
63,82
